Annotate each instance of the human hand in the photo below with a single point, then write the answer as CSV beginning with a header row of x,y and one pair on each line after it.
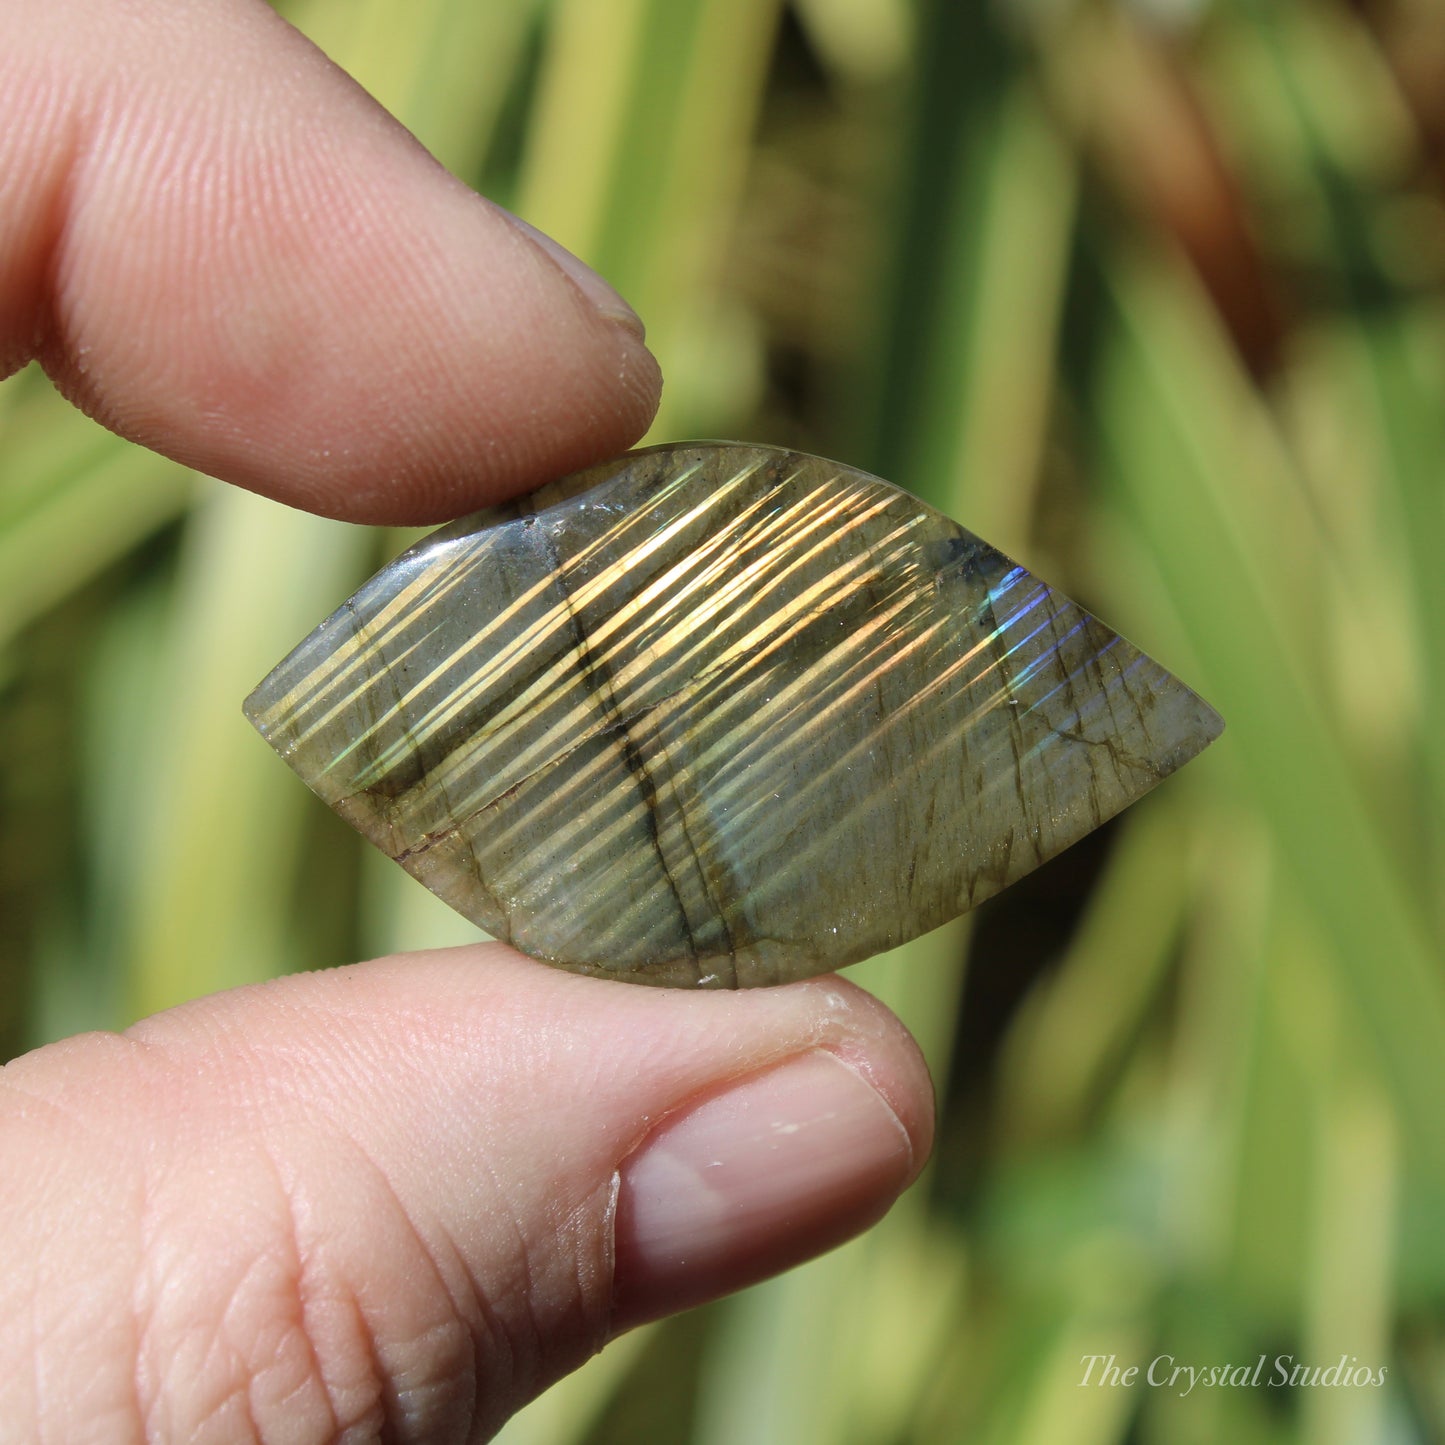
x,y
400,1198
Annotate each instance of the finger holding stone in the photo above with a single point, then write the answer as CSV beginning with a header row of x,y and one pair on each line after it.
x,y
222,248
405,1196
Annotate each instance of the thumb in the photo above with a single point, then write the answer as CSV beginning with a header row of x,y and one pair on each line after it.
x,y
400,1199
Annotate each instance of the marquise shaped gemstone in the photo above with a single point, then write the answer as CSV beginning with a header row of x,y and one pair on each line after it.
x,y
719,715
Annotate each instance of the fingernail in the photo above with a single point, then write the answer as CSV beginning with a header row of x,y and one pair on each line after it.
x,y
780,1168
603,298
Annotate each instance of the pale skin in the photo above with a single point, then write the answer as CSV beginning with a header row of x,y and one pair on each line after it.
x,y
396,1200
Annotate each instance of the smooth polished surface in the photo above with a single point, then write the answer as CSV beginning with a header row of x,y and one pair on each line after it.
x,y
720,715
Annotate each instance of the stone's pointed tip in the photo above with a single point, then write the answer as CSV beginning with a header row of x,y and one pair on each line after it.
x,y
258,705
1204,724
1190,725
1212,722
716,715
1211,726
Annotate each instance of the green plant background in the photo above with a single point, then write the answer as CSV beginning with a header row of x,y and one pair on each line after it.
x,y
1153,298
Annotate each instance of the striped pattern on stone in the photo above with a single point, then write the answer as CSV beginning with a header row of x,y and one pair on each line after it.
x,y
719,715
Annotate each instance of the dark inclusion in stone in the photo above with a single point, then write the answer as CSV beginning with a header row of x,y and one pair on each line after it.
x,y
719,715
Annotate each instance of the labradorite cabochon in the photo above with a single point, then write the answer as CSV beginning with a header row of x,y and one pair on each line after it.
x,y
718,715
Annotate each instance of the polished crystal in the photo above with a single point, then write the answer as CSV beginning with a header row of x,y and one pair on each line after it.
x,y
720,715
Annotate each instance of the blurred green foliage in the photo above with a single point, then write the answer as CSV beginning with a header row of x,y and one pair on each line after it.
x,y
1153,297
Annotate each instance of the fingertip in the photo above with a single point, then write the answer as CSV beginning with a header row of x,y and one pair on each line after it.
x,y
604,299
773,1170
873,1041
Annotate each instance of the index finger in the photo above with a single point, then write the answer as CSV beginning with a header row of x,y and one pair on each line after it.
x,y
221,248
